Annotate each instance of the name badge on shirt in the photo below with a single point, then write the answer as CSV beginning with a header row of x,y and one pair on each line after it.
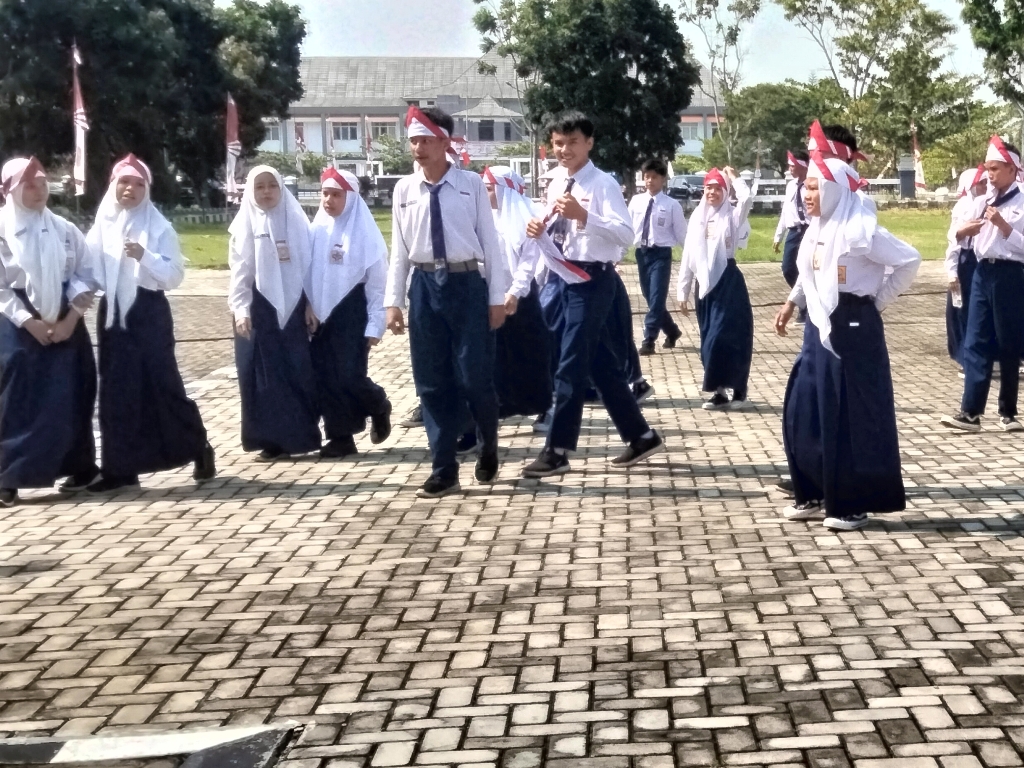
x,y
710,231
283,254
337,253
661,221
818,254
842,275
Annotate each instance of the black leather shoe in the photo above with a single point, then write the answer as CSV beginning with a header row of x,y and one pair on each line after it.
x,y
647,348
672,338
487,467
436,487
8,497
340,448
206,465
640,449
80,482
547,464
380,426
110,484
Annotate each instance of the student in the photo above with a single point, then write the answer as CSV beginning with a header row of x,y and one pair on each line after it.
x,y
443,228
961,260
724,314
995,318
147,422
345,314
658,225
793,221
269,257
48,388
591,229
523,359
839,422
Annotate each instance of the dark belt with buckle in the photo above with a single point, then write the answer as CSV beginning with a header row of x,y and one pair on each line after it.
x,y
454,267
592,266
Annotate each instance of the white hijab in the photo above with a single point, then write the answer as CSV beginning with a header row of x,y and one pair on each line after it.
x,y
256,233
357,239
845,227
515,211
36,239
710,236
966,199
115,224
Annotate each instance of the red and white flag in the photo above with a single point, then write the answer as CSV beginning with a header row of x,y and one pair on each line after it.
x,y
918,165
81,123
234,147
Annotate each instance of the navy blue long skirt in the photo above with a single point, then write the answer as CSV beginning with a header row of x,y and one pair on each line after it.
x,y
956,318
839,417
346,393
726,322
147,422
47,395
522,373
621,325
276,382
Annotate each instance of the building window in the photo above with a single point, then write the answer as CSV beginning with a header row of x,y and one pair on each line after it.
x,y
508,131
274,132
689,131
383,129
346,131
714,130
486,130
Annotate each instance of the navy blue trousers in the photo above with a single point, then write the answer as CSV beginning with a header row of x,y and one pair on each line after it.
x,y
839,416
276,382
621,323
47,395
790,250
655,268
552,308
523,373
956,318
345,392
592,347
147,422
995,331
726,322
452,348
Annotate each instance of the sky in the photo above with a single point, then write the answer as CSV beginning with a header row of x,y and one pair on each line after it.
x,y
776,50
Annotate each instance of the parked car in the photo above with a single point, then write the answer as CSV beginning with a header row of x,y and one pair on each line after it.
x,y
696,181
679,189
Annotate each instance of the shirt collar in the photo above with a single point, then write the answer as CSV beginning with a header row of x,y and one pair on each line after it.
x,y
584,173
448,177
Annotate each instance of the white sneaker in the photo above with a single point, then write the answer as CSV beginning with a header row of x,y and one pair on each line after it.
x,y
737,405
804,511
1010,424
851,523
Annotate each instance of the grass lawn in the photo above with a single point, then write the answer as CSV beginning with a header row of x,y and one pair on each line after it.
x,y
206,246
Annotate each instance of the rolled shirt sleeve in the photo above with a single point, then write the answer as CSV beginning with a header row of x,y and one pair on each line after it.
x,y
376,281
398,268
243,275
165,265
902,258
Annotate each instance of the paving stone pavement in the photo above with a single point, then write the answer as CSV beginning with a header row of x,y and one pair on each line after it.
x,y
665,616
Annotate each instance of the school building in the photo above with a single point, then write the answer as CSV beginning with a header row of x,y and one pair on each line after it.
x,y
350,102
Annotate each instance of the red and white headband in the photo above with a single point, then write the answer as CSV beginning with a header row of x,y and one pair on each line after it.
x,y
794,160
20,170
818,142
418,124
998,152
820,162
714,176
507,181
130,165
332,178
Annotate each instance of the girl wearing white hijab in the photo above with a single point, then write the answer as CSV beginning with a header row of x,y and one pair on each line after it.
x,y
345,314
839,421
716,230
269,257
48,388
147,422
961,260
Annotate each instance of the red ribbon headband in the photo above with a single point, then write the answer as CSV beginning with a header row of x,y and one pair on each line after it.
x,y
33,170
794,160
333,175
130,165
818,142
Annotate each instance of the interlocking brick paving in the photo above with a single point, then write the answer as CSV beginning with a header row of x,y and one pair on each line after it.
x,y
664,616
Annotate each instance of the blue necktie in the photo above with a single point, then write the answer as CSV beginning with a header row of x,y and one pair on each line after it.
x,y
561,227
801,206
437,235
645,238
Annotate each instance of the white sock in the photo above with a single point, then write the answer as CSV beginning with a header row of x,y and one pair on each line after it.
x,y
560,451
647,435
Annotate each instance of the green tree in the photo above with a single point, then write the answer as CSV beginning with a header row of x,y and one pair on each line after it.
x,y
998,30
394,155
155,78
688,164
622,62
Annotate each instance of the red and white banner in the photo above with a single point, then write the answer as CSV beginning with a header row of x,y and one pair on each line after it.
x,y
918,165
234,151
81,123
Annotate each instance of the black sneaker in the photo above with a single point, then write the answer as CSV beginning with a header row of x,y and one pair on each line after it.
x,y
206,465
547,464
543,423
436,487
804,511
467,444
647,348
380,426
487,467
848,523
642,390
786,486
961,420
110,484
414,419
339,448
8,497
1010,424
672,338
80,482
717,402
270,454
640,449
